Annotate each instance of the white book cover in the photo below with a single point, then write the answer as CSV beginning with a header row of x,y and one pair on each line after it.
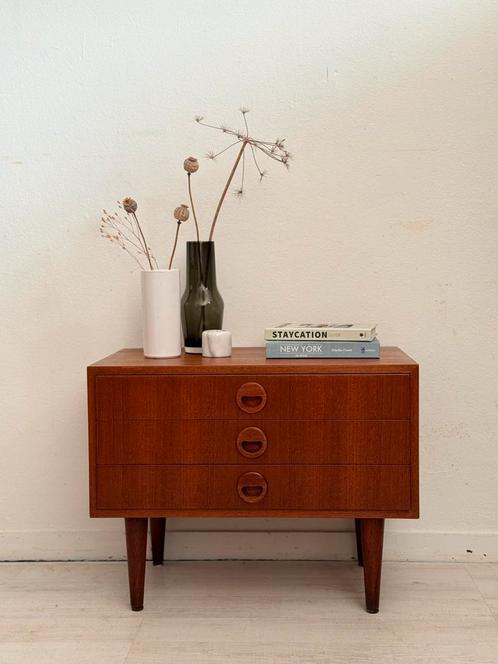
x,y
321,332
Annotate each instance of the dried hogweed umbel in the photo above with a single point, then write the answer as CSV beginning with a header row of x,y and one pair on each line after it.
x,y
273,149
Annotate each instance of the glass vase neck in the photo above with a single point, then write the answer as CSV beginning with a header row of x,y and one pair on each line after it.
x,y
201,263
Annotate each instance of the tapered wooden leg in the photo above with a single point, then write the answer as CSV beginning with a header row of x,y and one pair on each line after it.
x,y
157,532
359,550
136,547
372,537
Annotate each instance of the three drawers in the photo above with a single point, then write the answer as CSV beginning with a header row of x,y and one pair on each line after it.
x,y
304,443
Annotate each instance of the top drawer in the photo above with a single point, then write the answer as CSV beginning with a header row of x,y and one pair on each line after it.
x,y
334,396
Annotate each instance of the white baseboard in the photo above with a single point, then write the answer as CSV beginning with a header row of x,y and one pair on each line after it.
x,y
250,545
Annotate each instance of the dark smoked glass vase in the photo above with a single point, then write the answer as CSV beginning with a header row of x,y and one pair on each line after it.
x,y
202,304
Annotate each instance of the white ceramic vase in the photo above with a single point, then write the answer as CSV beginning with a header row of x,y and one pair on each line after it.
x,y
162,335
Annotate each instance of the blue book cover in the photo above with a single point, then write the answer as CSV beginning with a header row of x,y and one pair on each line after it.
x,y
323,349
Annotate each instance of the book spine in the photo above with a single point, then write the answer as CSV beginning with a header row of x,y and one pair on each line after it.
x,y
323,350
313,334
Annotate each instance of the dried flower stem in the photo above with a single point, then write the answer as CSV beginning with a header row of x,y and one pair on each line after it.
x,y
122,229
129,226
278,143
245,122
147,253
213,156
273,149
193,208
261,172
178,224
133,256
243,173
230,178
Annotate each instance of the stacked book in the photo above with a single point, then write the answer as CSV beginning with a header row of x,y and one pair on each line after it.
x,y
322,340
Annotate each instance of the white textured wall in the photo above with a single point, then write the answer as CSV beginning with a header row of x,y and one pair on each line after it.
x,y
389,213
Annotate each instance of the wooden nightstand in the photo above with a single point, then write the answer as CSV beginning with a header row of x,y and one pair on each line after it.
x,y
248,437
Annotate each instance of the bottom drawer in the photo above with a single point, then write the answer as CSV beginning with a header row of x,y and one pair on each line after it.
x,y
235,487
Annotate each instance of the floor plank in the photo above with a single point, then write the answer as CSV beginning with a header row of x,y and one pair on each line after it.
x,y
248,613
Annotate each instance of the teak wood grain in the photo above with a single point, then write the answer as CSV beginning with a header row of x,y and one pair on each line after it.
x,y
248,361
247,436
364,397
313,488
269,442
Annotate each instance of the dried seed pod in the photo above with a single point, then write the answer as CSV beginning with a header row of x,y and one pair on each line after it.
x,y
129,205
191,165
181,213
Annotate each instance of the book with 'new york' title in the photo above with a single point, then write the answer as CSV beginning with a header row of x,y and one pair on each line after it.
x,y
323,350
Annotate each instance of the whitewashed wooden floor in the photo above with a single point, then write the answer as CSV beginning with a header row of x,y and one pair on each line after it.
x,y
245,613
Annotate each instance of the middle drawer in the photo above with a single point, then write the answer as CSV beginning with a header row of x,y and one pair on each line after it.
x,y
262,442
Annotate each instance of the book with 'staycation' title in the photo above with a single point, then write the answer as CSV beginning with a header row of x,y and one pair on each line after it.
x,y
323,349
321,332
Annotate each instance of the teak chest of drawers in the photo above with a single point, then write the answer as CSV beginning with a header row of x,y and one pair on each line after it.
x,y
249,437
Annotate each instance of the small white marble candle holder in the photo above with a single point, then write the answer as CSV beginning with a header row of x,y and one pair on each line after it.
x,y
216,343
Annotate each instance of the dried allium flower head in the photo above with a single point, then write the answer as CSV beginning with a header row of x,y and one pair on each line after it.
x,y
191,165
181,213
129,205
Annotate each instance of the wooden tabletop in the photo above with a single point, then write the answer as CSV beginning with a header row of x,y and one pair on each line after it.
x,y
248,360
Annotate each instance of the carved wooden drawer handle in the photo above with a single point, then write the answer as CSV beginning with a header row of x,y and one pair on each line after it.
x,y
252,442
252,487
251,397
